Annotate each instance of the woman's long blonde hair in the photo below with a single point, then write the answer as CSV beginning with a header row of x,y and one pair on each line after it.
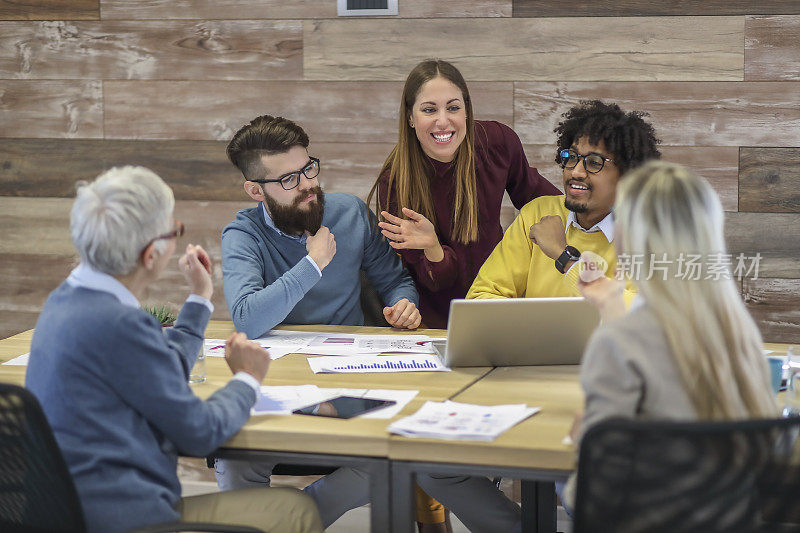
x,y
409,170
665,213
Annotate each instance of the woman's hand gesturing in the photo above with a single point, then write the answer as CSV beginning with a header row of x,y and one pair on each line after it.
x,y
414,233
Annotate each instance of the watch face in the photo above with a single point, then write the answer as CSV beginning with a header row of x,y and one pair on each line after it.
x,y
572,252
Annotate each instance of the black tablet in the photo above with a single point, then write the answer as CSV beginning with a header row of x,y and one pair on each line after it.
x,y
344,407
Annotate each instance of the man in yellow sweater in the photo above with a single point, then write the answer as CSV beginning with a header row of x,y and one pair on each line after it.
x,y
597,143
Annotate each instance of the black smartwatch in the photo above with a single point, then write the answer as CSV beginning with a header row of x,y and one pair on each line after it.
x,y
570,253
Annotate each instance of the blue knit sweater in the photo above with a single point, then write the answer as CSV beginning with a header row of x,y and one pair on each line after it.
x,y
114,389
267,281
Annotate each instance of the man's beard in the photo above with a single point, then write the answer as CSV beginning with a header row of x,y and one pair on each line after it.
x,y
292,220
575,207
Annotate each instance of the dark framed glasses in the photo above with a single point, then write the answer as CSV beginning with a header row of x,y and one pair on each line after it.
x,y
179,230
593,162
292,179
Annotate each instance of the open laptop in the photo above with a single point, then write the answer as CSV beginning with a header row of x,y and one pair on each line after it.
x,y
517,331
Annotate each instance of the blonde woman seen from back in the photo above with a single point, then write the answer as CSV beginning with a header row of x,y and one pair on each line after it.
x,y
688,349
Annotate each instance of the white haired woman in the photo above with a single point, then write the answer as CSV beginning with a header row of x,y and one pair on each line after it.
x,y
687,349
114,387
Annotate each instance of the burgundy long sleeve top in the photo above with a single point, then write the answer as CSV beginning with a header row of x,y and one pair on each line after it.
x,y
500,165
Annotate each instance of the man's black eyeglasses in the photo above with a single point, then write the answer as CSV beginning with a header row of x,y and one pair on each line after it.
x,y
292,179
593,163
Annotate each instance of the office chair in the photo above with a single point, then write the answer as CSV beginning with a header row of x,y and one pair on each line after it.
x,y
36,489
653,477
371,304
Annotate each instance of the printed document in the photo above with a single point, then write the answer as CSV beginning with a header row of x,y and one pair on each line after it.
x,y
461,421
338,344
216,348
279,337
362,364
20,360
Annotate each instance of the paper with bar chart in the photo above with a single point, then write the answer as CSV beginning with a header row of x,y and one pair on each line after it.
x,y
376,363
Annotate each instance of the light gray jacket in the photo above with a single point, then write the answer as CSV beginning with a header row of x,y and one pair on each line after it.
x,y
628,372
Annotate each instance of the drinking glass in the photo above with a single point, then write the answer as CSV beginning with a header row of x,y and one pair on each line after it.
x,y
792,371
198,373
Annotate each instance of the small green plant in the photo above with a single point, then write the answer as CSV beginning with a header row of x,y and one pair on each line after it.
x,y
163,314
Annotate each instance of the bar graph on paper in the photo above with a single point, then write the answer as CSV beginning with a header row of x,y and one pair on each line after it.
x,y
383,363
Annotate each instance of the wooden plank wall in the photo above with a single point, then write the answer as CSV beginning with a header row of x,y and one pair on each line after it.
x,y
88,84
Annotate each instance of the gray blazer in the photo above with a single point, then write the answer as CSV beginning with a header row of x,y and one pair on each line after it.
x,y
627,371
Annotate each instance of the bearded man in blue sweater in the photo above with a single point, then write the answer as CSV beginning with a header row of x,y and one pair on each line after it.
x,y
295,257
114,386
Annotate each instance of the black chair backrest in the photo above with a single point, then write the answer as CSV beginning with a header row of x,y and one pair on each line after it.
x,y
371,303
652,477
36,489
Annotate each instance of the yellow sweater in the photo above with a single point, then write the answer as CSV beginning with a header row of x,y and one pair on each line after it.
x,y
518,267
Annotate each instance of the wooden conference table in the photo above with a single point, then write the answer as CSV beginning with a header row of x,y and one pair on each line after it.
x,y
532,451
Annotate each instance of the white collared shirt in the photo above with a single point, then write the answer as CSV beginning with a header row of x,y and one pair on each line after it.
x,y
88,278
606,225
637,302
